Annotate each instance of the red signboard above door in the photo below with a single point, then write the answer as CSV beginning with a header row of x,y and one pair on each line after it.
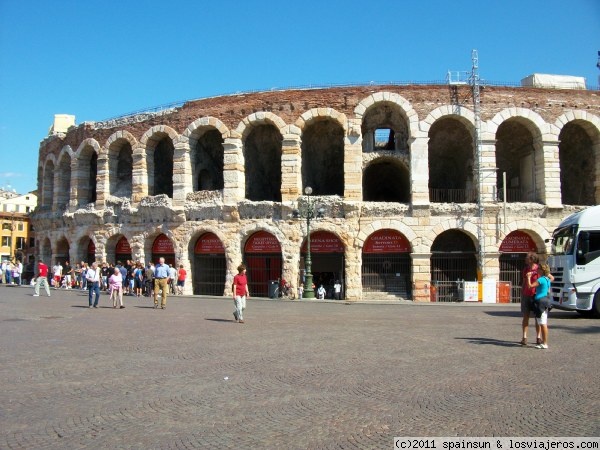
x,y
386,241
123,247
324,242
209,243
518,242
262,242
162,244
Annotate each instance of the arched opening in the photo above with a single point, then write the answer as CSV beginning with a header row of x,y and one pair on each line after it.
x,y
577,165
87,172
123,251
327,261
121,169
163,168
386,264
90,252
516,156
323,157
207,162
62,251
46,252
386,180
209,265
513,250
48,187
63,193
451,162
453,260
262,254
262,156
384,128
162,247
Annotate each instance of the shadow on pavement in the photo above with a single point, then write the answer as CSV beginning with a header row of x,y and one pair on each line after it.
x,y
221,320
488,341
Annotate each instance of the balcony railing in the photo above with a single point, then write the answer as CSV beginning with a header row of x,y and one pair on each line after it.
x,y
438,195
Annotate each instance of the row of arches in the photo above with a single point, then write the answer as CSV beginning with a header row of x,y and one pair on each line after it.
x,y
267,154
386,259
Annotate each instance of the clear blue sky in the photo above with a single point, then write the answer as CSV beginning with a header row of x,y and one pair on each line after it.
x,y
97,59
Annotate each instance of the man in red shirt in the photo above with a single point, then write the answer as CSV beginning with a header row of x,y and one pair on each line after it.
x,y
181,274
42,278
240,292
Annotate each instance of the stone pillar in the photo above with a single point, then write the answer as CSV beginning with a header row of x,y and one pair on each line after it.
x,y
183,258
234,188
182,172
73,184
548,173
353,162
488,171
353,274
421,274
291,170
102,177
419,170
139,176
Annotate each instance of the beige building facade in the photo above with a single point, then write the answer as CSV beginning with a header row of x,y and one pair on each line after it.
x,y
408,194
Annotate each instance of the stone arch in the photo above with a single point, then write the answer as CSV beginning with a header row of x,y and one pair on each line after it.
x,y
262,149
537,232
323,150
579,151
86,172
205,146
63,178
391,224
469,228
386,179
451,156
463,115
48,182
150,236
259,118
159,143
62,249
390,97
45,251
119,150
519,134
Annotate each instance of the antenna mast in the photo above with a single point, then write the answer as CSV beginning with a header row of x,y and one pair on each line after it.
x,y
474,82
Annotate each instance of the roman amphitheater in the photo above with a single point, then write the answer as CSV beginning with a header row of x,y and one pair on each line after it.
x,y
413,186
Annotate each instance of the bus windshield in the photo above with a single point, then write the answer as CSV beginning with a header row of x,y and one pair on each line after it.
x,y
563,240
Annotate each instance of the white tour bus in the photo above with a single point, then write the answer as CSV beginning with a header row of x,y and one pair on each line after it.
x,y
575,262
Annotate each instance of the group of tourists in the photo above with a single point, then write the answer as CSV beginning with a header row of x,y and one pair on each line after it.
x,y
132,278
159,275
11,272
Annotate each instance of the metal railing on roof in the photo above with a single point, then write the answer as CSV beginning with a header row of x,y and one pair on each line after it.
x,y
179,104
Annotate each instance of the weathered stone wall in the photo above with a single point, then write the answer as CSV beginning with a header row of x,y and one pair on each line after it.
x,y
186,215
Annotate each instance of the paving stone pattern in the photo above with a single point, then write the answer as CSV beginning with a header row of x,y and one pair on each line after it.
x,y
310,375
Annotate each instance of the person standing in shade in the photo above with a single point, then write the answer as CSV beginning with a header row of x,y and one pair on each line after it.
x,y
93,279
240,293
42,279
161,282
57,271
337,289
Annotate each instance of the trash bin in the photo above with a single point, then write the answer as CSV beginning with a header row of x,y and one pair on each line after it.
x,y
273,288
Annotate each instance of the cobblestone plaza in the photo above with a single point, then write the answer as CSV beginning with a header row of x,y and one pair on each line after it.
x,y
297,374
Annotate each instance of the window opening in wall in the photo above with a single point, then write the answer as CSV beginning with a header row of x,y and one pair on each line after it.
x,y
6,226
6,241
92,177
385,139
207,162
20,243
163,168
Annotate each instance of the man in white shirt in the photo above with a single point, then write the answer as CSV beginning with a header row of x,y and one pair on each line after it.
x,y
57,272
93,282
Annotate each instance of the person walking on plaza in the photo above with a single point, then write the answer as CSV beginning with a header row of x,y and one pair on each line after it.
x,y
240,293
540,301
161,282
42,279
93,279
181,274
115,283
172,279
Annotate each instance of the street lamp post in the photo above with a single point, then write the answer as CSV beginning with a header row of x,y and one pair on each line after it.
x,y
308,212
